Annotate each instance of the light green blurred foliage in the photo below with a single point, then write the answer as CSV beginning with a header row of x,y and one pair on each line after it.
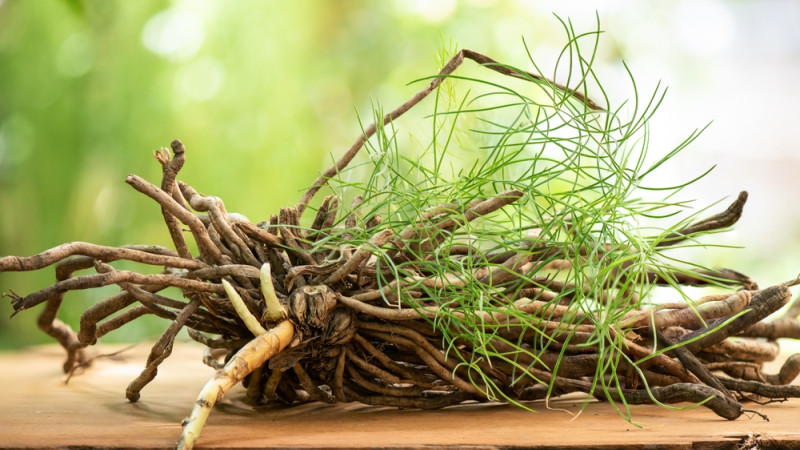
x,y
260,92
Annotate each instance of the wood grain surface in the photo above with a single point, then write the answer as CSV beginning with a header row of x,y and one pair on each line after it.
x,y
39,410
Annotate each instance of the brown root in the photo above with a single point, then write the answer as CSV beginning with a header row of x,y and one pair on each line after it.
x,y
351,309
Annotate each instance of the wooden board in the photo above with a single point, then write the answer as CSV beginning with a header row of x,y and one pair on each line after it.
x,y
38,410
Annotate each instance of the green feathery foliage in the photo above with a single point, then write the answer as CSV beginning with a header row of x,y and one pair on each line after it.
x,y
581,172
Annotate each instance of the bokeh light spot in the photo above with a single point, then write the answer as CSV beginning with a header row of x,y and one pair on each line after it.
x,y
75,55
429,11
175,34
202,79
703,27
17,136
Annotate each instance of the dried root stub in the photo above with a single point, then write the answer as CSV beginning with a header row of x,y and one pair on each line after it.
x,y
420,314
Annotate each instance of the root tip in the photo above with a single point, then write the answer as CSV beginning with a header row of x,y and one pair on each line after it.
x,y
177,146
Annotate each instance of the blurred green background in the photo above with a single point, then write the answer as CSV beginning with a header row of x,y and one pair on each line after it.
x,y
262,93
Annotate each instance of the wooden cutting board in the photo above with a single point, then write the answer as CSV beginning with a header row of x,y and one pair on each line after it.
x,y
39,410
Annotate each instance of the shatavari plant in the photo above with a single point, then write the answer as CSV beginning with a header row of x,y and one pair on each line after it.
x,y
505,253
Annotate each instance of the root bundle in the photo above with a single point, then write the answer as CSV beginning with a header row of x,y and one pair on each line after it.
x,y
352,308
